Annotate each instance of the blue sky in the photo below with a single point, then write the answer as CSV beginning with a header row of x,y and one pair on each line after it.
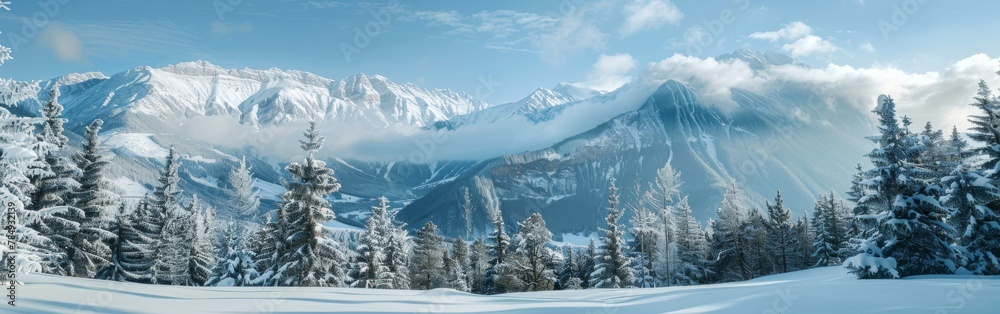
x,y
517,45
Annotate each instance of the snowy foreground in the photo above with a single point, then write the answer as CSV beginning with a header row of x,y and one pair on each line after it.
x,y
823,290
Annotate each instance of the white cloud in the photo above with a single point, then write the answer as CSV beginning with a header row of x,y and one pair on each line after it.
x,y
64,43
574,34
711,78
939,96
610,72
809,45
803,42
866,47
791,31
642,15
552,37
220,28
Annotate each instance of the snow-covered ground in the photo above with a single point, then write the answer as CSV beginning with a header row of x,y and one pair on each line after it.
x,y
138,144
822,290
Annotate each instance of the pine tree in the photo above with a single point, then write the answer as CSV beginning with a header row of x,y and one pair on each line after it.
x,y
806,234
533,238
493,281
646,231
397,260
909,236
972,196
755,231
458,277
588,264
305,254
660,199
201,248
729,242
236,268
428,261
782,239
139,234
569,271
691,247
168,265
99,204
369,269
613,267
53,175
986,129
243,196
478,263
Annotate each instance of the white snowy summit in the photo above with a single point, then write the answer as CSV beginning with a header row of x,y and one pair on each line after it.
x,y
257,97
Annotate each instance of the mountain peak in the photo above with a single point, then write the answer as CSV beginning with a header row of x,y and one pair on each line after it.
x,y
198,67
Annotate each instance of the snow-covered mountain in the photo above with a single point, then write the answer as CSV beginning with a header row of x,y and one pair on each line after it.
x,y
541,105
764,146
143,97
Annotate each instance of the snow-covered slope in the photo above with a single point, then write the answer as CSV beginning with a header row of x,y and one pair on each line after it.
x,y
817,291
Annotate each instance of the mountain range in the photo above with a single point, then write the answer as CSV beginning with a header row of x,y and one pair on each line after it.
x,y
782,139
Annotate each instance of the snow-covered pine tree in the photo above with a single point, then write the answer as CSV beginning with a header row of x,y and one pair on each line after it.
x,y
977,233
691,247
397,258
646,230
588,264
99,203
201,256
139,235
54,176
236,268
613,269
498,247
34,251
807,237
243,194
122,228
782,240
458,277
732,261
909,235
831,241
369,269
263,243
755,231
533,238
855,195
173,228
986,129
306,254
972,195
569,271
478,263
934,155
427,264
660,198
